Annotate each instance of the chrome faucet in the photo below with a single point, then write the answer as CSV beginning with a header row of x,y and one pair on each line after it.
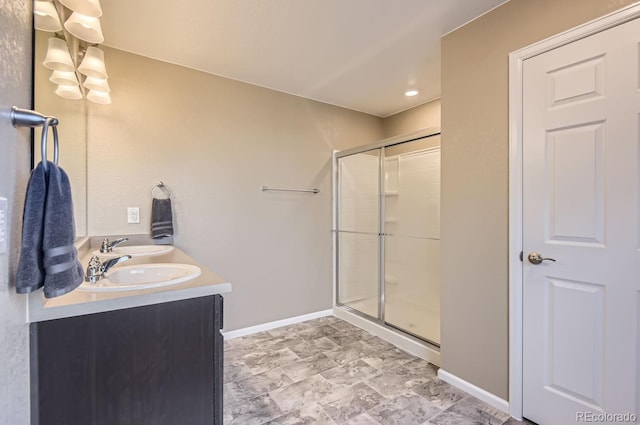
x,y
97,270
108,246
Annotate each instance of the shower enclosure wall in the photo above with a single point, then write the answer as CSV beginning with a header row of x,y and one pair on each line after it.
x,y
387,227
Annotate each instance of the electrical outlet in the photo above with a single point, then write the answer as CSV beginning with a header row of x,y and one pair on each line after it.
x,y
3,225
133,215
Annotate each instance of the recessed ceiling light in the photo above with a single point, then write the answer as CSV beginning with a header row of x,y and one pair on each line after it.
x,y
411,92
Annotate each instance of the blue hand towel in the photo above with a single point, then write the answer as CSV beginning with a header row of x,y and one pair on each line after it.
x,y
63,271
30,274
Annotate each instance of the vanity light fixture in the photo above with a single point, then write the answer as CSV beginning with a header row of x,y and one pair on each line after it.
x,y
101,97
92,64
64,78
411,92
46,17
58,57
97,84
85,7
85,27
69,92
72,54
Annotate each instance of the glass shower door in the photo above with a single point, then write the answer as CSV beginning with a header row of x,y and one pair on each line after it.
x,y
412,238
388,235
358,232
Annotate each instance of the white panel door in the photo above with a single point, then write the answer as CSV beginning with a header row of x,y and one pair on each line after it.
x,y
581,207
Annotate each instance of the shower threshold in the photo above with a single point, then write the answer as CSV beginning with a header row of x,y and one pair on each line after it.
x,y
400,338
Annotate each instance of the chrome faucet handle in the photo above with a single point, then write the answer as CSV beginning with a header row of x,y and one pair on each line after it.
x,y
112,262
107,246
96,270
118,242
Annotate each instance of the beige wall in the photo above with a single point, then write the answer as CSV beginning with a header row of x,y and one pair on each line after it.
x,y
215,142
419,117
475,179
15,89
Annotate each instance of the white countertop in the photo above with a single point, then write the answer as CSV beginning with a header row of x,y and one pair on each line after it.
x,y
77,303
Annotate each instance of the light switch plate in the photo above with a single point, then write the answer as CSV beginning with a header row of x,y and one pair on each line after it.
x,y
3,225
133,215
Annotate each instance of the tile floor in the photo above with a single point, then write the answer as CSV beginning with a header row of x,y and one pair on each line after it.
x,y
327,371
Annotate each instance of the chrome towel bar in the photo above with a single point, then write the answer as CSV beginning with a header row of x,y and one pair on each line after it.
x,y
283,189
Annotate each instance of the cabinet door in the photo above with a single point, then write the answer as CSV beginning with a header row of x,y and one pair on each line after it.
x,y
144,365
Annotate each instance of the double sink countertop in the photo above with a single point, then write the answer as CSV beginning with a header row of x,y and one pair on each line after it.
x,y
77,302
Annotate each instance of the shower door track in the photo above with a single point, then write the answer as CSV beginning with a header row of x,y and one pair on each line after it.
x,y
389,326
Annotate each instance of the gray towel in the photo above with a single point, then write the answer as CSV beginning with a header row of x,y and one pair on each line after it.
x,y
30,274
63,271
161,218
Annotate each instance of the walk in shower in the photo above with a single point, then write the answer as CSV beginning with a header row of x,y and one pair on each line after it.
x,y
387,227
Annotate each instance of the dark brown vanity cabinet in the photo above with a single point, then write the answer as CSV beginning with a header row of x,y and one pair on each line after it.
x,y
158,364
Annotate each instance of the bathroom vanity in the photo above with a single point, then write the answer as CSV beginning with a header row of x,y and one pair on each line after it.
x,y
151,356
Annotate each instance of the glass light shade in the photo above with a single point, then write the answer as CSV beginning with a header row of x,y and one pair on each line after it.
x,y
58,57
69,92
85,27
101,97
92,64
86,7
97,84
46,17
64,78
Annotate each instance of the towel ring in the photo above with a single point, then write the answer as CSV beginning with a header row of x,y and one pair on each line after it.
x,y
49,122
164,190
29,118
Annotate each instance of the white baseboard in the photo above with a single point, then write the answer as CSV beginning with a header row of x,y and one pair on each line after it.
x,y
401,341
277,324
475,391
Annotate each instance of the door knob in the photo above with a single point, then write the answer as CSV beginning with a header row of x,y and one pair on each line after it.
x,y
535,258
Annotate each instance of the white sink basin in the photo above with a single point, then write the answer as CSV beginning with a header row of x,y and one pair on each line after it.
x,y
143,276
135,251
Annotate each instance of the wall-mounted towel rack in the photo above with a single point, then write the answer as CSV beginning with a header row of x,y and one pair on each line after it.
x,y
29,118
283,189
163,188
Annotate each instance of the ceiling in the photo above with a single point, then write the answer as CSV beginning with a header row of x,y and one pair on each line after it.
x,y
358,54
